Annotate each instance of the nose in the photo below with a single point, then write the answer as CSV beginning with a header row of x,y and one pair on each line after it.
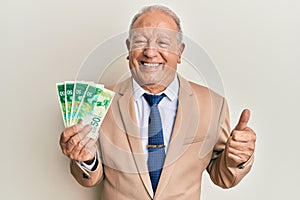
x,y
150,52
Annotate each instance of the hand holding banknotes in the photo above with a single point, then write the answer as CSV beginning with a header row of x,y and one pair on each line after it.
x,y
76,145
83,107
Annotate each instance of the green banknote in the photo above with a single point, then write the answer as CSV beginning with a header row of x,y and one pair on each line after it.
x,y
85,106
60,87
80,88
94,107
69,87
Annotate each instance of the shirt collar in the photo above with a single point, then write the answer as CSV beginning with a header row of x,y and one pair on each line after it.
x,y
171,91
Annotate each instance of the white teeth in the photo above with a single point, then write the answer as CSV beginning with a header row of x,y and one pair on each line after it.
x,y
151,64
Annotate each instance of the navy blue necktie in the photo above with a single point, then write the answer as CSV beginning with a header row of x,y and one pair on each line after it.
x,y
156,147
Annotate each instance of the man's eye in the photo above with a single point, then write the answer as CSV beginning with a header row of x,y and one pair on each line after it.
x,y
163,43
139,41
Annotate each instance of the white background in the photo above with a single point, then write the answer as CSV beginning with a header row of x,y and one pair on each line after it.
x,y
255,45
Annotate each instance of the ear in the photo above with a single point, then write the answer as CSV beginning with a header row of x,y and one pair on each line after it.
x,y
181,48
128,47
128,44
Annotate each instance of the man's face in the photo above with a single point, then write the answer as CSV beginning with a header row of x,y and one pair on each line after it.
x,y
154,51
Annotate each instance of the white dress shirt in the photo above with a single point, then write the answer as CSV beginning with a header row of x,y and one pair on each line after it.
x,y
167,108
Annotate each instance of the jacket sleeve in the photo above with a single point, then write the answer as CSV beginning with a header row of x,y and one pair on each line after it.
x,y
220,173
86,177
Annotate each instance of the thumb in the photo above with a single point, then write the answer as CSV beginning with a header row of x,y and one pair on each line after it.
x,y
244,118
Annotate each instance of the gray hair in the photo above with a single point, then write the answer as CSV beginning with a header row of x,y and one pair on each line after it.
x,y
162,9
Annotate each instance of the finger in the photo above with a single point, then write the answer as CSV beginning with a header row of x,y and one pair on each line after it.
x,y
241,146
76,139
75,151
236,151
84,131
91,147
65,137
64,148
70,132
237,156
85,140
83,153
243,121
75,154
243,136
87,153
234,158
91,143
72,143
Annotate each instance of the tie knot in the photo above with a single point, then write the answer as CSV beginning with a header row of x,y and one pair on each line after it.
x,y
153,99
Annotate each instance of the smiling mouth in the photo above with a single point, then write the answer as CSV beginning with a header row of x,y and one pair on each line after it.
x,y
150,65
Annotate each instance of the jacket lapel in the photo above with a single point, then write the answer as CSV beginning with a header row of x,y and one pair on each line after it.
x,y
127,111
183,128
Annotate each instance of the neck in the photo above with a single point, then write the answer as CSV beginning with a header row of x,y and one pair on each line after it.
x,y
154,88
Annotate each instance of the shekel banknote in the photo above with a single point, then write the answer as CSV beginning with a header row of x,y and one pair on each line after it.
x,y
80,88
93,107
60,87
69,87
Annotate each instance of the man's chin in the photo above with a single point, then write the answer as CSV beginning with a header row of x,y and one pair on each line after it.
x,y
154,79
153,83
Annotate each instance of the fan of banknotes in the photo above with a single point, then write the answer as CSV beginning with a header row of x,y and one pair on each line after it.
x,y
84,102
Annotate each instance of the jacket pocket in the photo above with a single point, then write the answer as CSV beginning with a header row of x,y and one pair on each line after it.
x,y
196,139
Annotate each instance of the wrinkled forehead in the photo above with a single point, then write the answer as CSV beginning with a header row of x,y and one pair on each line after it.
x,y
154,33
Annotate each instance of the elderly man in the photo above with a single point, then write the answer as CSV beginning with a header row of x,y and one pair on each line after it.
x,y
161,131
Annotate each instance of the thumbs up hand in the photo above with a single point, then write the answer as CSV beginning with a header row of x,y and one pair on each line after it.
x,y
241,144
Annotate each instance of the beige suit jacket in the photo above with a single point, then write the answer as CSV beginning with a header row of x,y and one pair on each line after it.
x,y
197,142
